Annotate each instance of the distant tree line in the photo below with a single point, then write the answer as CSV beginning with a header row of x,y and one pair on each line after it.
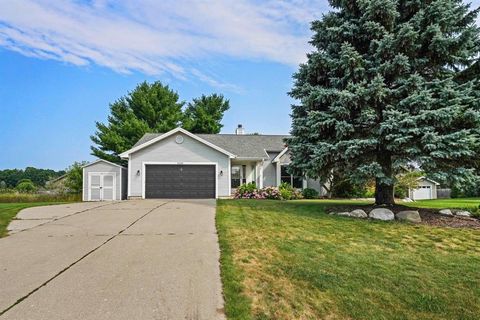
x,y
10,178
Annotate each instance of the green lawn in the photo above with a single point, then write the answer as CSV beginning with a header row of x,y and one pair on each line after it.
x,y
290,260
8,211
465,203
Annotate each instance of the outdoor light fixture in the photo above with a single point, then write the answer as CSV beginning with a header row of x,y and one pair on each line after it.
x,y
221,172
138,172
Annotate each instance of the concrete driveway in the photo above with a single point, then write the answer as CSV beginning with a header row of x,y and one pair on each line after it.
x,y
125,260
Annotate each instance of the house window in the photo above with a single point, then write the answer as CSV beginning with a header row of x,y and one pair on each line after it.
x,y
296,182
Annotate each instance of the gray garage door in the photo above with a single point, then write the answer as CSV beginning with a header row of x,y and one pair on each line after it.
x,y
179,181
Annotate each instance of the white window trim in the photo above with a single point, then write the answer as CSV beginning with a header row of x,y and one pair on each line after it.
x,y
304,181
114,189
145,163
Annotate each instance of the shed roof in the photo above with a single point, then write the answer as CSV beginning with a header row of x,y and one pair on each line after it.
x,y
102,160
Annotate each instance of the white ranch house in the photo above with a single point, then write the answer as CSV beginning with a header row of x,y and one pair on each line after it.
x,y
180,164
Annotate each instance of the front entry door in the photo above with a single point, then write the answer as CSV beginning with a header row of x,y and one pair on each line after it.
x,y
238,175
101,187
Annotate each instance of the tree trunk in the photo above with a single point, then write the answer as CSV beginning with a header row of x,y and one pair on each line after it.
x,y
384,191
384,194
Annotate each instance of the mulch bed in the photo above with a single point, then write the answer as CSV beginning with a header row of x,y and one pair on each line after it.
x,y
429,217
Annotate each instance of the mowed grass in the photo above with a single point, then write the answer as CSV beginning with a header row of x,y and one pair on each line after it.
x,y
461,203
8,211
290,260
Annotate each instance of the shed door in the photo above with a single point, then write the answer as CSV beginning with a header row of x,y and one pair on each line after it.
x,y
108,187
101,187
95,187
180,181
423,192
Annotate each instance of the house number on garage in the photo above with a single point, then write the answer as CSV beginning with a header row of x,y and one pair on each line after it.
x,y
179,139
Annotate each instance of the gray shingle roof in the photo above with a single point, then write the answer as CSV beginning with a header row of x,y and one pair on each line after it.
x,y
243,146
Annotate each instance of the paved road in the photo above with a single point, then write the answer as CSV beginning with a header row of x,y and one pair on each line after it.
x,y
125,260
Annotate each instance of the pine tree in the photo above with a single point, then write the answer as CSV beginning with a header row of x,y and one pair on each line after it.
x,y
379,91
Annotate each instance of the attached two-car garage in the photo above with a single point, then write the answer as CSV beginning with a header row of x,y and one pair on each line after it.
x,y
106,181
184,181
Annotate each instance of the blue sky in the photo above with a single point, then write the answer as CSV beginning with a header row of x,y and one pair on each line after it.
x,y
62,63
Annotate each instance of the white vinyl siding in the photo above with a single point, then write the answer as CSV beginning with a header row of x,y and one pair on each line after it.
x,y
104,167
169,151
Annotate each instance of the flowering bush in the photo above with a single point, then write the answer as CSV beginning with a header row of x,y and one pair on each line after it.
x,y
271,193
249,191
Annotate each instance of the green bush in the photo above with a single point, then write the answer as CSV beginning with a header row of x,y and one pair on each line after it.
x,y
347,189
287,192
401,191
26,186
247,188
310,193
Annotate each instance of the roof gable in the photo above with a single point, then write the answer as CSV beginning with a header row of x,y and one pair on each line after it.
x,y
158,137
280,155
102,160
430,180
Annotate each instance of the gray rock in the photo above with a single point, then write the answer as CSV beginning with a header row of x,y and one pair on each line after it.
x,y
382,214
446,212
358,213
344,214
410,216
463,213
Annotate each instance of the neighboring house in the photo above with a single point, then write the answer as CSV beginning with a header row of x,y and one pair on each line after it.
x,y
57,185
427,189
180,164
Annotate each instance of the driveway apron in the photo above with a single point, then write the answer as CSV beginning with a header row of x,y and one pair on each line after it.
x,y
126,260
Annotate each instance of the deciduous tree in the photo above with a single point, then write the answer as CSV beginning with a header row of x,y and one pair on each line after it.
x,y
205,114
154,108
148,108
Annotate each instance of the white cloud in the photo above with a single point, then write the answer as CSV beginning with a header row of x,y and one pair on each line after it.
x,y
155,37
166,36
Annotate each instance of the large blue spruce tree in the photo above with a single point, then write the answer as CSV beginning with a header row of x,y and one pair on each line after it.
x,y
380,91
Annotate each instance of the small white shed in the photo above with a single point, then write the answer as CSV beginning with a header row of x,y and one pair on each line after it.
x,y
427,189
104,181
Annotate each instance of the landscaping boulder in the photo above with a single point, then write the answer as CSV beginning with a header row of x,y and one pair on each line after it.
x,y
358,213
410,216
463,213
382,214
344,214
446,212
